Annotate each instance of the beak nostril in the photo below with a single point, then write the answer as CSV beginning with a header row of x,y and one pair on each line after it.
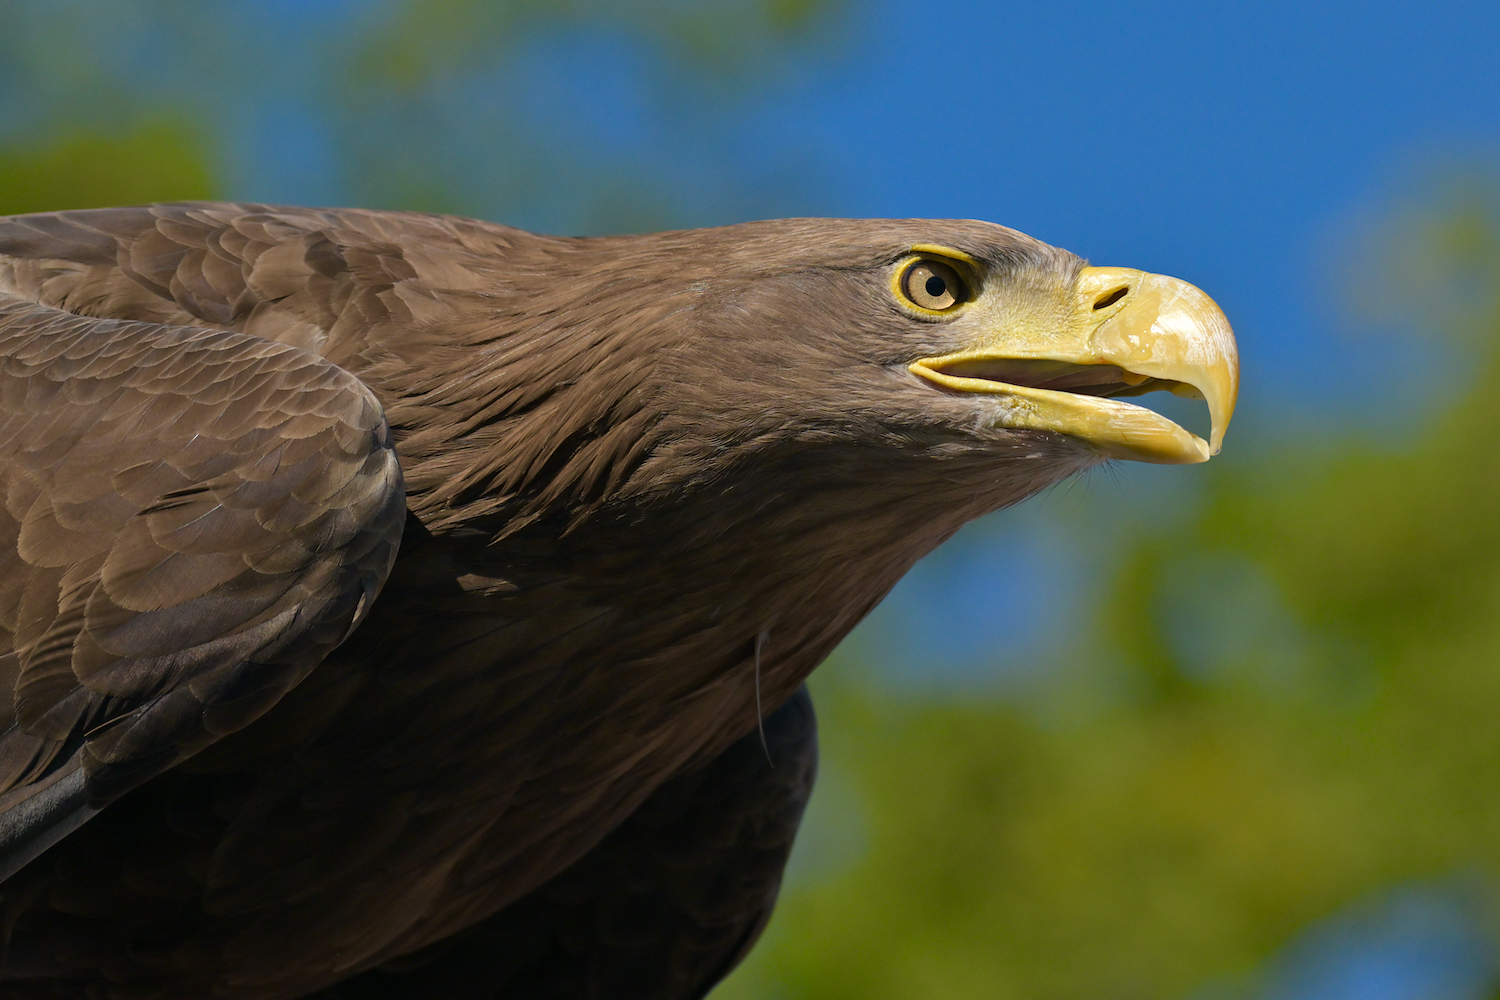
x,y
1112,296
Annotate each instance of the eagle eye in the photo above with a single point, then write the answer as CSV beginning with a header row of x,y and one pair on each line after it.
x,y
932,284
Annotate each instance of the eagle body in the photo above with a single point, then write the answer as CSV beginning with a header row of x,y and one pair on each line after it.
x,y
382,593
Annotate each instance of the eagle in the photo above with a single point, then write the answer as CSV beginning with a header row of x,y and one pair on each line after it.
x,y
401,605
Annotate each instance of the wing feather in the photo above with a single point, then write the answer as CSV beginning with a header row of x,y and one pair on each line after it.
x,y
193,518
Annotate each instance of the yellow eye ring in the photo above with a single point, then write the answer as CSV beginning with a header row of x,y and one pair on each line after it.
x,y
931,285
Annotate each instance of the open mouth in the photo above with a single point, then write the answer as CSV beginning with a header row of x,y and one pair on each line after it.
x,y
1064,376
1081,400
1178,402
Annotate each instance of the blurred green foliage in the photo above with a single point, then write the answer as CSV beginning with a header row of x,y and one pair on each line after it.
x,y
1302,685
429,38
157,162
415,138
461,106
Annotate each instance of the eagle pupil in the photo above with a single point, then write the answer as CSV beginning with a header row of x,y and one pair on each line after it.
x,y
936,286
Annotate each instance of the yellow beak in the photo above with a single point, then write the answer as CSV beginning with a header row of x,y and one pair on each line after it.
x,y
1118,332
